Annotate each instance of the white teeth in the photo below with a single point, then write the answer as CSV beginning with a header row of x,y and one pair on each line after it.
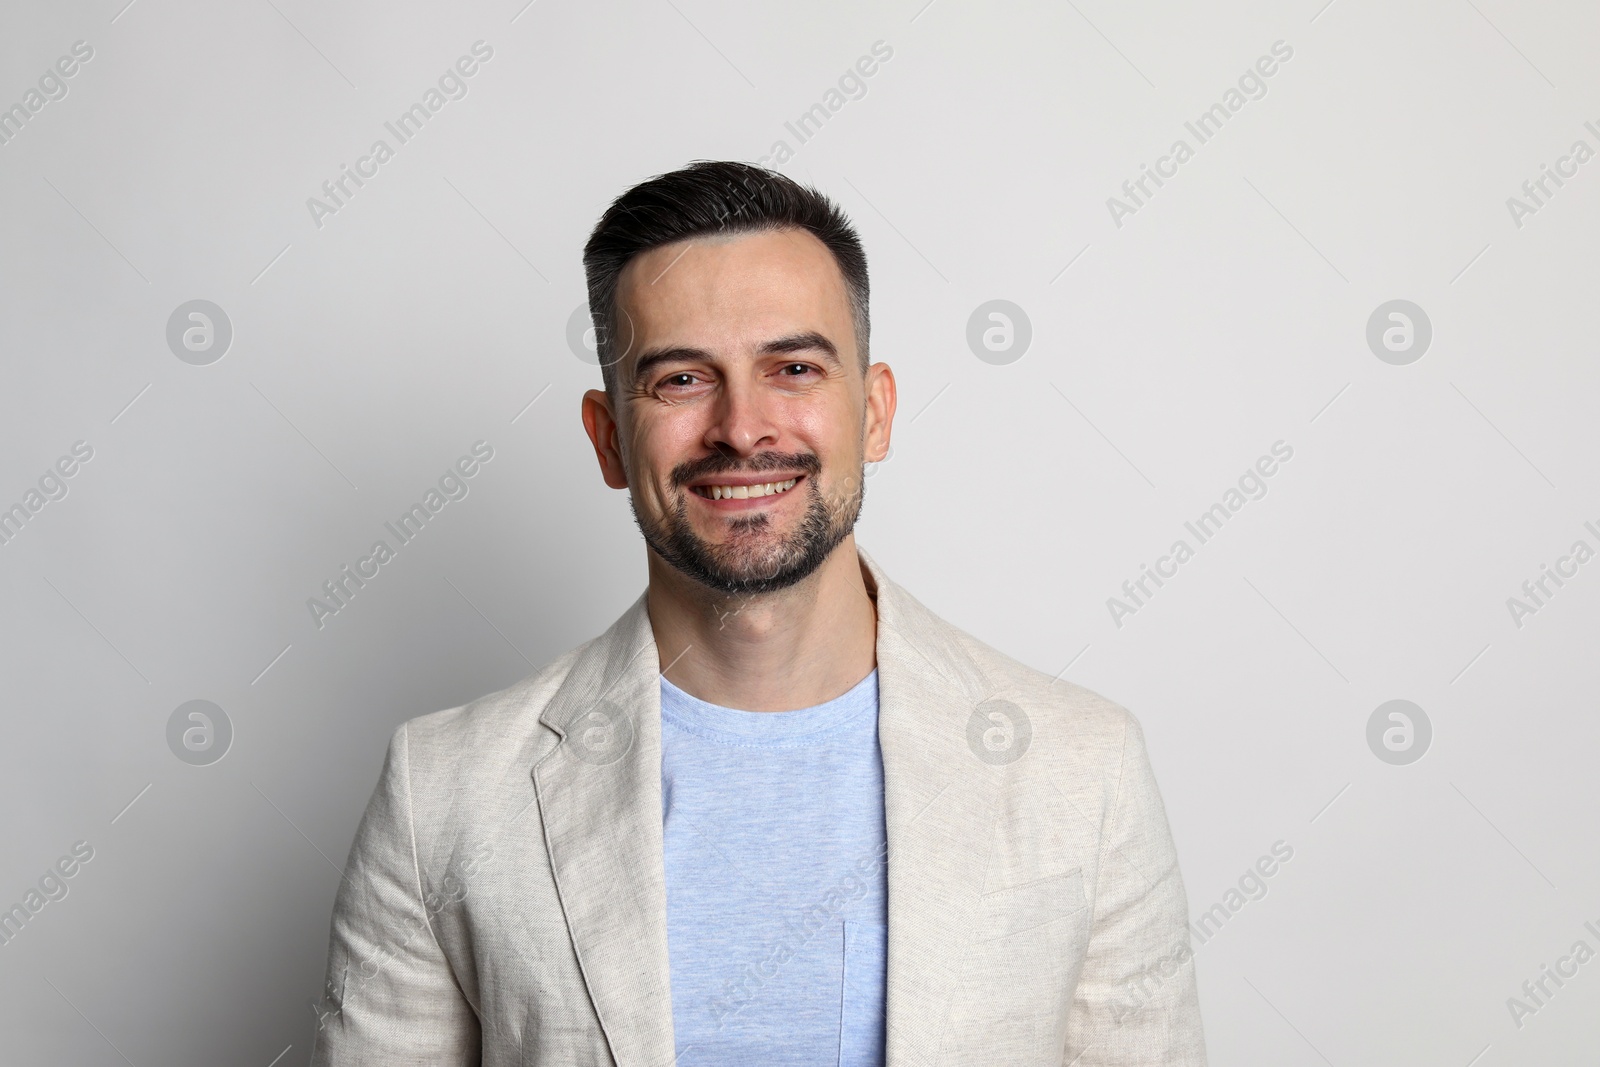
x,y
744,492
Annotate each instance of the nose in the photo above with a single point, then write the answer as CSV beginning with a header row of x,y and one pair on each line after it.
x,y
743,419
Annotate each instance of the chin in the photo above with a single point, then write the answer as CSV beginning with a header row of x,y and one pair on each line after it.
x,y
755,556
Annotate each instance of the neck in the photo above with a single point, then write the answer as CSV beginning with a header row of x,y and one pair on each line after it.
x,y
779,651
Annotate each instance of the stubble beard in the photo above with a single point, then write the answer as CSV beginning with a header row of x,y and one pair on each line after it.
x,y
751,561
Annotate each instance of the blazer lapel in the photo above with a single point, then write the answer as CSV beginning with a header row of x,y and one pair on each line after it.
x,y
940,807
599,795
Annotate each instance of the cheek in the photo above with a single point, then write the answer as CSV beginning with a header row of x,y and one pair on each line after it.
x,y
832,430
655,449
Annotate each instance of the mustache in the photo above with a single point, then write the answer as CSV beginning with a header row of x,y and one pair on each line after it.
x,y
684,473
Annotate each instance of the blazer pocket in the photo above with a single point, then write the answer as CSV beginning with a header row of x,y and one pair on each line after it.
x,y
1019,908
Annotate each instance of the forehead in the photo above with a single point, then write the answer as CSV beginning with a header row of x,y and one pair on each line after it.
x,y
735,288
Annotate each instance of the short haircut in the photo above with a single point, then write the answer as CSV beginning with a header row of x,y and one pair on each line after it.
x,y
711,197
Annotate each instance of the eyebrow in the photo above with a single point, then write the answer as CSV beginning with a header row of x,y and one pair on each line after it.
x,y
808,341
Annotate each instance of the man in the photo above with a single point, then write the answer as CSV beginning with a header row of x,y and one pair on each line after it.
x,y
779,813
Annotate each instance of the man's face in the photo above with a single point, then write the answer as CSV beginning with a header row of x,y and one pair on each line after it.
x,y
741,412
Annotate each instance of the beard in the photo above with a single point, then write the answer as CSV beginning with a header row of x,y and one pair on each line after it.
x,y
755,558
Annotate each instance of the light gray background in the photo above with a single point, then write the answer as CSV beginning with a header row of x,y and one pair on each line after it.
x,y
1168,354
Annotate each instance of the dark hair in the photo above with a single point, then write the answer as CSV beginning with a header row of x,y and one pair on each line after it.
x,y
703,198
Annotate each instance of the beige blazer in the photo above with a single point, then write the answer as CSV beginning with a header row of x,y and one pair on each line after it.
x,y
504,901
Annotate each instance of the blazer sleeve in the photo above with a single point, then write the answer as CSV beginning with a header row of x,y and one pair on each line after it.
x,y
1136,1001
391,998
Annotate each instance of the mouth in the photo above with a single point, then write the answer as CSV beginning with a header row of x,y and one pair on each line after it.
x,y
747,491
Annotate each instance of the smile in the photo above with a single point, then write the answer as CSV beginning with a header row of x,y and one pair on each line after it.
x,y
744,492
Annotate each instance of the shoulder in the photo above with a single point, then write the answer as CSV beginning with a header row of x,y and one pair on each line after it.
x,y
1086,755
1066,755
469,761
1071,728
1070,725
497,734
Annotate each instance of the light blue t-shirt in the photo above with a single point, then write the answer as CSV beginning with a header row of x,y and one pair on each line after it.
x,y
777,881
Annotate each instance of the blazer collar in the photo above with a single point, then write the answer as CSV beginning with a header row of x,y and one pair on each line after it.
x,y
599,795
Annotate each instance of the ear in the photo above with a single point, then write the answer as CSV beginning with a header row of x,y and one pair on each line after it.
x,y
880,413
604,433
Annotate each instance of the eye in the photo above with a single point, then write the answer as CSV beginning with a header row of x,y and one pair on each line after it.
x,y
803,368
680,380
